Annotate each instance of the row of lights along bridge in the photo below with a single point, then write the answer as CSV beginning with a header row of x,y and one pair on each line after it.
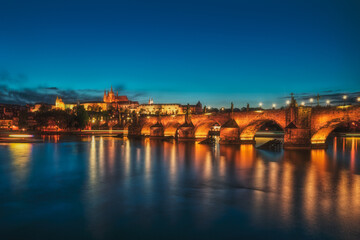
x,y
311,101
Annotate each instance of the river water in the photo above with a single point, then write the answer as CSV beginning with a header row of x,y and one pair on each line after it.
x,y
108,188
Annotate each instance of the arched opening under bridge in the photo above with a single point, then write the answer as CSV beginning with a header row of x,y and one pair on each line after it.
x,y
261,131
342,128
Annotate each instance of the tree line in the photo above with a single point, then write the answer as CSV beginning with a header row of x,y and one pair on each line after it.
x,y
77,118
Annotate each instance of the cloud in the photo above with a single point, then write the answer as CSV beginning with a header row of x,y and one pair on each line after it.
x,y
49,88
335,97
13,92
45,95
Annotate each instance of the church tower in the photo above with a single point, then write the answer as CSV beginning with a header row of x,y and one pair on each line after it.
x,y
111,95
59,104
105,97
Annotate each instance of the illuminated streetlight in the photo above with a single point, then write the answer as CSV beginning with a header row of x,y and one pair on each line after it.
x,y
344,97
302,103
328,102
311,100
288,102
358,99
274,105
260,104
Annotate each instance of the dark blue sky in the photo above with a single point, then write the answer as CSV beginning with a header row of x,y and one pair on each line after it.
x,y
182,51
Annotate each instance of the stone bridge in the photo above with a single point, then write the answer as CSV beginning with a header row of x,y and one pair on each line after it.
x,y
304,127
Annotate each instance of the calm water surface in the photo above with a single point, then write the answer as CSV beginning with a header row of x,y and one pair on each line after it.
x,y
107,188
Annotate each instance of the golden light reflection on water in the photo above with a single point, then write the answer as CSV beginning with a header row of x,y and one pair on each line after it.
x,y
147,159
127,158
173,165
21,155
294,186
352,155
320,160
246,159
93,169
111,156
146,180
101,153
203,164
286,190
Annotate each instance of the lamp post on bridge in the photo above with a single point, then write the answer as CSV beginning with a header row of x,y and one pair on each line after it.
x,y
318,100
287,103
311,100
344,98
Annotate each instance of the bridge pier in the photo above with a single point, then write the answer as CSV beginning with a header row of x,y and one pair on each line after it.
x,y
297,138
186,132
157,130
230,133
134,130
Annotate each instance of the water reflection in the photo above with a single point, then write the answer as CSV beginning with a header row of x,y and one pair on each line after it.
x,y
21,155
186,189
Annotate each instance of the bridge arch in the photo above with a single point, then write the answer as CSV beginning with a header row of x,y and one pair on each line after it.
x,y
248,133
170,128
322,134
145,130
203,128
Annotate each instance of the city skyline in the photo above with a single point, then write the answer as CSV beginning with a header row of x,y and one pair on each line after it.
x,y
50,94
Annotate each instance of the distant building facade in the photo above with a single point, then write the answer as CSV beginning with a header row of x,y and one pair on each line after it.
x,y
162,108
194,109
168,108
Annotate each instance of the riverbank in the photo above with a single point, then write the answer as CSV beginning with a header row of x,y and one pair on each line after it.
x,y
69,133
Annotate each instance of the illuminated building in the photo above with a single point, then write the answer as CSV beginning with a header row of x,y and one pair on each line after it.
x,y
110,97
6,123
162,108
196,109
110,100
167,108
59,104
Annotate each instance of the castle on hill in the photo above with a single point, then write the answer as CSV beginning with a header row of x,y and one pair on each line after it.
x,y
110,97
110,100
114,101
